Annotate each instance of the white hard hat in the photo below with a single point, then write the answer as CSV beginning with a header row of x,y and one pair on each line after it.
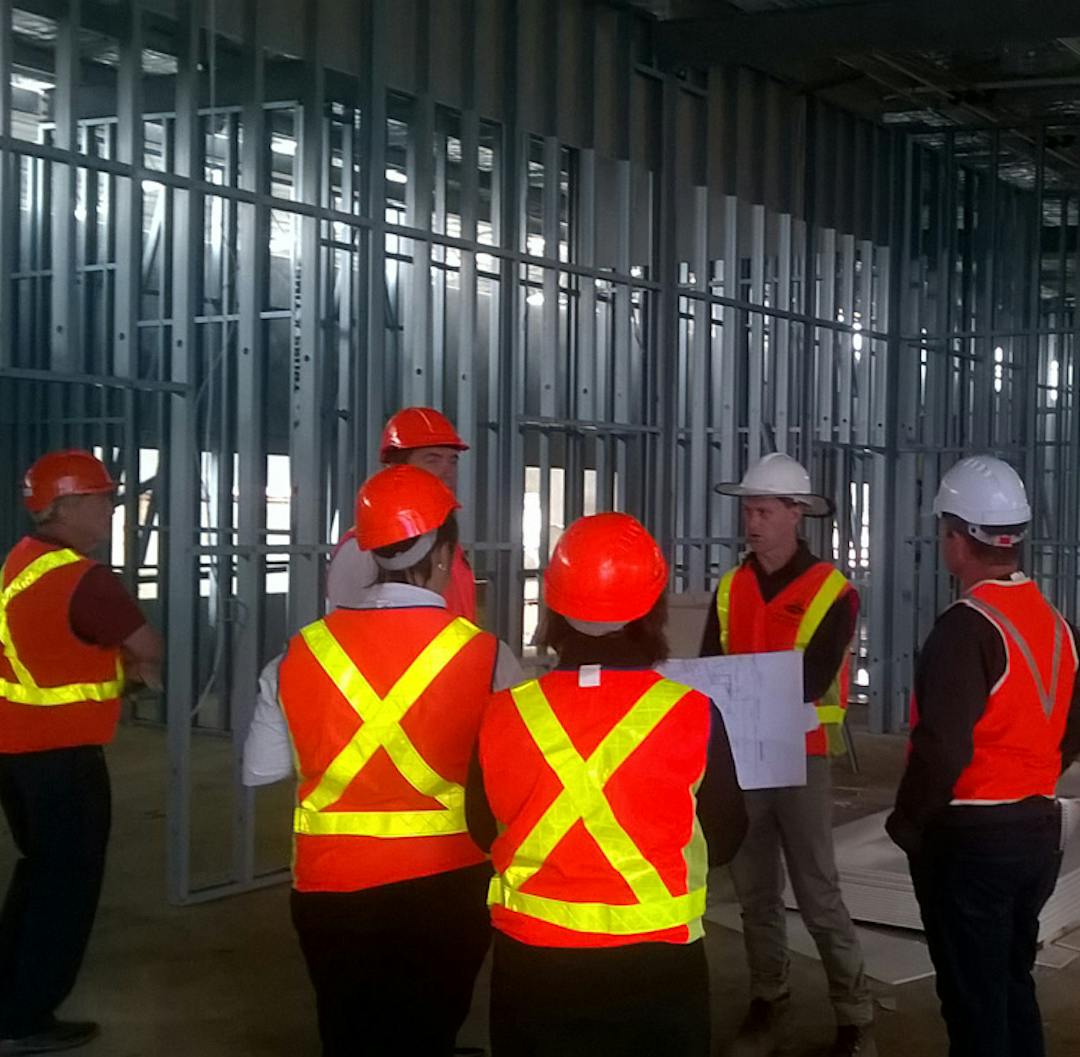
x,y
781,477
984,491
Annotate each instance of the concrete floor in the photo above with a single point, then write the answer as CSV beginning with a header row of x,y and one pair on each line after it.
x,y
226,978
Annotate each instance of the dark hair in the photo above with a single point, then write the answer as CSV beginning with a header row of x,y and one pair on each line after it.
x,y
397,456
641,644
986,552
447,533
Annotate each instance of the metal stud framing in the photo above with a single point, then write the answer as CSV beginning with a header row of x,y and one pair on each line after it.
x,y
619,307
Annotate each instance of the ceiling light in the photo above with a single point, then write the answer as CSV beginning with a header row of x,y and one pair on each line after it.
x,y
396,176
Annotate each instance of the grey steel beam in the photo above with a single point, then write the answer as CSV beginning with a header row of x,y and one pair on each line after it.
x,y
250,437
372,412
180,525
767,39
308,375
64,318
510,363
9,192
128,271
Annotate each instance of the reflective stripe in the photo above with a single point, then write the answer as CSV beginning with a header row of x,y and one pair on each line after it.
x,y
723,606
832,588
582,798
1047,694
604,918
382,729
26,690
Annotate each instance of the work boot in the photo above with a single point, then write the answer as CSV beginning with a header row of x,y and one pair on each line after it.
x,y
854,1040
59,1035
763,1031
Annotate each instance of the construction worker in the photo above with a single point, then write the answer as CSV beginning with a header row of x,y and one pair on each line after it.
x,y
414,436
995,718
380,705
782,597
70,635
586,788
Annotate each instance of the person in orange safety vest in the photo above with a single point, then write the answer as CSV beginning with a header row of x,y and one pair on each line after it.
x,y
70,637
414,436
382,704
995,719
781,597
604,792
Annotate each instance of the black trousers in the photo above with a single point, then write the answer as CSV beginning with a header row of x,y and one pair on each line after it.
x,y
58,806
981,881
393,967
642,1000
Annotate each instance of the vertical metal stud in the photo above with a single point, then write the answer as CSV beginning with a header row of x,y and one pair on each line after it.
x,y
183,455
251,431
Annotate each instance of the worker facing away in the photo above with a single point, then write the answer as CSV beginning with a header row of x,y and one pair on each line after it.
x,y
381,704
71,636
782,597
586,789
414,436
995,718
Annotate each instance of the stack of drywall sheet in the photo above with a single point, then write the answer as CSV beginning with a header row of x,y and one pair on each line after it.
x,y
877,886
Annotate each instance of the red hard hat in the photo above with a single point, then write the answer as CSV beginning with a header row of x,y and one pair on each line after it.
x,y
400,503
418,427
606,567
61,473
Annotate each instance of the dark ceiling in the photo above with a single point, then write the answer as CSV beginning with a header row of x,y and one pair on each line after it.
x,y
928,63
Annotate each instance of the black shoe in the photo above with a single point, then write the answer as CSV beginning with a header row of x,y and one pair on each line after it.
x,y
853,1040
762,1032
60,1035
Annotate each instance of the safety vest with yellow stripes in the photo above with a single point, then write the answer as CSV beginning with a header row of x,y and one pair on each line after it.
x,y
1016,744
383,707
594,789
749,624
56,691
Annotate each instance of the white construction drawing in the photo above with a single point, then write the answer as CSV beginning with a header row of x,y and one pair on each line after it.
x,y
760,697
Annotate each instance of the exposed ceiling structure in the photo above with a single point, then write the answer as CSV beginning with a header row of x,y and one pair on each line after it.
x,y
911,62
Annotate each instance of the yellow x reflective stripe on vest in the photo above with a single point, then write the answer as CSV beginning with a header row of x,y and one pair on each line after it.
x,y
829,708
381,729
25,690
582,797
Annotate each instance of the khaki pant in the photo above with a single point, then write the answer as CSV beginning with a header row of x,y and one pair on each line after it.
x,y
798,820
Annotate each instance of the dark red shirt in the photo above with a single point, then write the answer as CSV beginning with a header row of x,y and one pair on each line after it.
x,y
102,611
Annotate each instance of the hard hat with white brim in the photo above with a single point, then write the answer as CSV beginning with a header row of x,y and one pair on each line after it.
x,y
779,476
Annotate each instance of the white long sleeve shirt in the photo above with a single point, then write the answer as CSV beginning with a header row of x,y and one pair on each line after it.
x,y
268,754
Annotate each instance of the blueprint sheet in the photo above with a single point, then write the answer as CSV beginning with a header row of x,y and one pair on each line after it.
x,y
760,698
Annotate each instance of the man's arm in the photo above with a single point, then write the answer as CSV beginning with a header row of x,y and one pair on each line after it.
x,y
143,651
959,664
1070,741
710,639
828,647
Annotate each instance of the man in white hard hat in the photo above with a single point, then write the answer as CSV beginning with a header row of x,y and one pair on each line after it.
x,y
782,597
995,719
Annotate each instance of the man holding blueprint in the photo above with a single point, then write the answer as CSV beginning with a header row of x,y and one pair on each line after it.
x,y
782,598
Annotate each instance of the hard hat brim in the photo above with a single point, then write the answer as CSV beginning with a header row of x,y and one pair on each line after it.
x,y
813,505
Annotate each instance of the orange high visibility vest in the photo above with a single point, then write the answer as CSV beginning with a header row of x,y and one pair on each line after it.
x,y
1017,740
56,691
594,789
460,593
383,707
749,624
